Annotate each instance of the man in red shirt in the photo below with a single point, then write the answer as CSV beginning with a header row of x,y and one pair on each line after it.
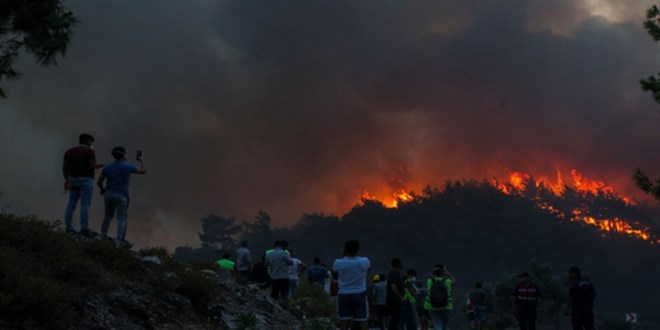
x,y
78,169
525,298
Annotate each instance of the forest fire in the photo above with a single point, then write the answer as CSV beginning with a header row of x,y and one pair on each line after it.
x,y
550,195
518,183
391,201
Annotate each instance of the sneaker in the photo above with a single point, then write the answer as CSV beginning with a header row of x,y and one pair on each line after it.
x,y
70,231
86,233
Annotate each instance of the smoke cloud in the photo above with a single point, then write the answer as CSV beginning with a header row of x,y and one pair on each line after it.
x,y
292,107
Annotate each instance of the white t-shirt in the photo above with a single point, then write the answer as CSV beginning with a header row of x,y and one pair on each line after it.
x,y
293,269
352,274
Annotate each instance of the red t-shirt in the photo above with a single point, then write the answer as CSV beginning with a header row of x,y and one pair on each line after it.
x,y
78,162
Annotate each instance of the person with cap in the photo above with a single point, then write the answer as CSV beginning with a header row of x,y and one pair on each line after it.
x,y
78,170
439,285
114,184
581,296
525,298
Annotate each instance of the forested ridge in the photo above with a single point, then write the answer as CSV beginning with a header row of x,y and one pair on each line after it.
x,y
479,233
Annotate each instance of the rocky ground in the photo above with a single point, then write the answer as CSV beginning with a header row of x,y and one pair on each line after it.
x,y
143,305
160,294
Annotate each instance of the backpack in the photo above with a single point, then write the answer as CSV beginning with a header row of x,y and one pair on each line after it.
x,y
438,295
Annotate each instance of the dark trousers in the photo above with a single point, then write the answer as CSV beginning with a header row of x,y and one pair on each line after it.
x,y
408,318
279,289
381,316
527,316
394,309
582,319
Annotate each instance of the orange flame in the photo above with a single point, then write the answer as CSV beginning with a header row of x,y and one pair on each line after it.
x,y
391,201
517,184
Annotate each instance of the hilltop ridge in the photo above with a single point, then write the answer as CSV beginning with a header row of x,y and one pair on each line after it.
x,y
53,280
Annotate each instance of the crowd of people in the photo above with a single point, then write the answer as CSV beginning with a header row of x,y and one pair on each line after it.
x,y
398,300
394,301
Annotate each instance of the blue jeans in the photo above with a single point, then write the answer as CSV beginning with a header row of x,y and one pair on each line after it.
x,y
118,202
79,189
439,318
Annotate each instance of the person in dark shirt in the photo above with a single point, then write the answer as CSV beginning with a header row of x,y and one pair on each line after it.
x,y
115,193
259,274
317,273
394,295
78,170
581,296
478,301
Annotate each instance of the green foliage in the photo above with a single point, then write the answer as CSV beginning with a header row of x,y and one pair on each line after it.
x,y
219,233
553,289
119,262
319,324
652,23
313,301
258,233
246,321
41,28
156,251
43,273
652,26
197,287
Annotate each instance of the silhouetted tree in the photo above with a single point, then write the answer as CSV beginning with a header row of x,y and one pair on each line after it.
x,y
651,84
652,26
218,232
553,289
644,182
258,233
41,28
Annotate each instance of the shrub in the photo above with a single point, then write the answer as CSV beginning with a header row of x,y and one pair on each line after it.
x,y
197,287
31,289
313,301
119,262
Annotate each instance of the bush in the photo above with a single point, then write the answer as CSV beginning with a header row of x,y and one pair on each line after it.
x,y
120,262
35,261
313,301
197,287
44,273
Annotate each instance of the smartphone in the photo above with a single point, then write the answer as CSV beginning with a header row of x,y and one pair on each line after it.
x,y
139,155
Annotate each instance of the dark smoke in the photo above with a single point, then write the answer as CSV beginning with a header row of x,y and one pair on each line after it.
x,y
293,107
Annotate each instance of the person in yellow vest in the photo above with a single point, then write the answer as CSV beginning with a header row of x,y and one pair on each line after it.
x,y
226,263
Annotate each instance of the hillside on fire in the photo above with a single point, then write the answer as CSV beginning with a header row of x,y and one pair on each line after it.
x,y
483,231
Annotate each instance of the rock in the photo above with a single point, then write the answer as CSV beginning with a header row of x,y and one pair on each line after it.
x,y
172,280
151,260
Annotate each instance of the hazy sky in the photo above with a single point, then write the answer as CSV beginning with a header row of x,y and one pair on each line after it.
x,y
292,107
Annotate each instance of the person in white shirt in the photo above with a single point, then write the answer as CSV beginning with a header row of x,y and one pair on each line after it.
x,y
352,301
295,269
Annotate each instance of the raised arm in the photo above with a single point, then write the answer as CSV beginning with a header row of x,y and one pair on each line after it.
x,y
141,169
